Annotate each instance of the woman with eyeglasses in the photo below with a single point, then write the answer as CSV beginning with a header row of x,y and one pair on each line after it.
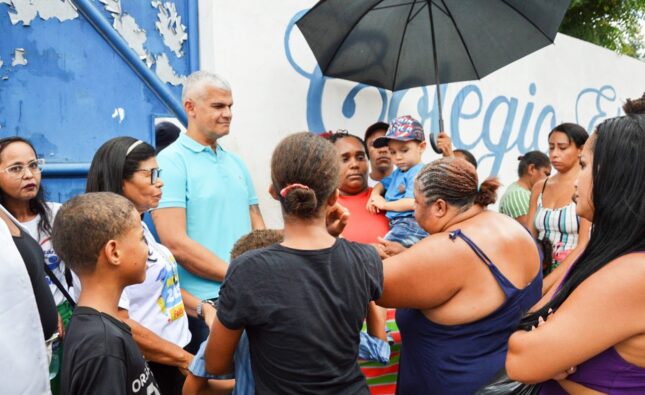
x,y
154,309
22,196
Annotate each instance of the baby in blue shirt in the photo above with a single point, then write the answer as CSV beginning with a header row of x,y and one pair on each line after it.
x,y
395,193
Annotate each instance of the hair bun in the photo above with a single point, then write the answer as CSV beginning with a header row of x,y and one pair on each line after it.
x,y
487,193
634,107
301,202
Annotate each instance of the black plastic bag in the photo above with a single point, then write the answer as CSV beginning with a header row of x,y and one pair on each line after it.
x,y
503,385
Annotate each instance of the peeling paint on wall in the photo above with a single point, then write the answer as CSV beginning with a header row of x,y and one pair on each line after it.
x,y
128,28
112,6
165,71
170,26
19,58
1,63
134,35
25,11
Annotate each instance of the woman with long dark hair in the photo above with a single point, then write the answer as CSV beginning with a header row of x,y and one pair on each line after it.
x,y
153,309
552,212
594,320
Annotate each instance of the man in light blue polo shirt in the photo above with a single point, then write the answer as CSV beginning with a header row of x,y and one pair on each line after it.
x,y
208,199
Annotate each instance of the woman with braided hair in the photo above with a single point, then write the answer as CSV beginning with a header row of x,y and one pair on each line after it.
x,y
461,291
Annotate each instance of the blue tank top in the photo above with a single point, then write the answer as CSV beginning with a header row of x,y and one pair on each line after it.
x,y
459,359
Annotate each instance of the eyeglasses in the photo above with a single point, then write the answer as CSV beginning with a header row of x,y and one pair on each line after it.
x,y
18,170
155,172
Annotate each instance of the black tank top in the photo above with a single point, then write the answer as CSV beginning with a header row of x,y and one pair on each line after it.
x,y
34,260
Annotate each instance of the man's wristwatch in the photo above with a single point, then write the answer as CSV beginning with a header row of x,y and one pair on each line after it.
x,y
199,309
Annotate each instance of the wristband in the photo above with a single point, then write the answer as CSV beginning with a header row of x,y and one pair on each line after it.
x,y
199,309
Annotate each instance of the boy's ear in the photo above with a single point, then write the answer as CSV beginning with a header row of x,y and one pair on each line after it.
x,y
422,146
273,192
112,253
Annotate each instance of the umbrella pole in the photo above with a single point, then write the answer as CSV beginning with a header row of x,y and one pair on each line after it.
x,y
433,141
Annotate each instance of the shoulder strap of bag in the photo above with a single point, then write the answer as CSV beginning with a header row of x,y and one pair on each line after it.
x,y
60,287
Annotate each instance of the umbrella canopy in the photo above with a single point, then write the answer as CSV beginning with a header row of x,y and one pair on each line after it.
x,y
401,44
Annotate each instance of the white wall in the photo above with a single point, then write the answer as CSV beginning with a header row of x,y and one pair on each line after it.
x,y
244,41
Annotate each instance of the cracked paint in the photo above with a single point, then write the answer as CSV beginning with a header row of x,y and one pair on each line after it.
x,y
134,35
170,27
19,58
112,6
128,28
165,71
25,11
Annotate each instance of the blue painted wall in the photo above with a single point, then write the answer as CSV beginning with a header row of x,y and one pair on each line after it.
x,y
63,99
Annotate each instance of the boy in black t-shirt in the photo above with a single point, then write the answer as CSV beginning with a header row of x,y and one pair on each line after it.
x,y
99,235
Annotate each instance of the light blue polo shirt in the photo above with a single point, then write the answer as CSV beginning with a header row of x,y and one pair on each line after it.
x,y
400,185
216,190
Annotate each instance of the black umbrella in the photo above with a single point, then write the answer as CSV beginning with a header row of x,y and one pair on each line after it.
x,y
401,44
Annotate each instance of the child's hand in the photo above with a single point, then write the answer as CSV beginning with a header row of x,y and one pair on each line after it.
x,y
444,143
376,204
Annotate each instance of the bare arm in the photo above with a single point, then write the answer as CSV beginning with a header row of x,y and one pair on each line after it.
x,y
376,200
557,275
378,190
257,222
406,275
220,348
154,348
605,310
405,204
191,302
530,220
376,320
194,257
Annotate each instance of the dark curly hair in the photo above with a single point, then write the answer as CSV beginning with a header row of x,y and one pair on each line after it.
x,y
258,238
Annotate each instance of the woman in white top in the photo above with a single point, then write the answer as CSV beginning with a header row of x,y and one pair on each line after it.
x,y
22,195
155,308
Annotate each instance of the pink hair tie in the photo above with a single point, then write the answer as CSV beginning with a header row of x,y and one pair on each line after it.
x,y
289,187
